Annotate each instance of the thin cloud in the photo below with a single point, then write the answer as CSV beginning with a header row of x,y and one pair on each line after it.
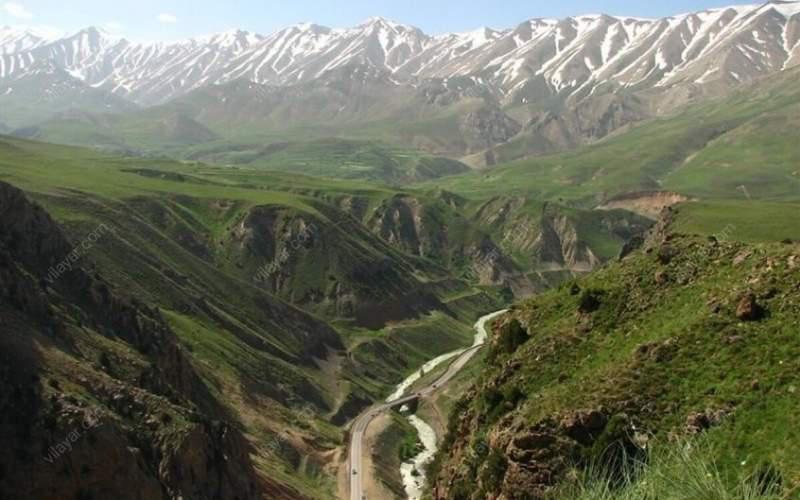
x,y
167,19
17,10
113,26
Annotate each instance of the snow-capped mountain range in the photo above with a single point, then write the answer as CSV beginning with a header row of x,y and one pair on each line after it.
x,y
571,56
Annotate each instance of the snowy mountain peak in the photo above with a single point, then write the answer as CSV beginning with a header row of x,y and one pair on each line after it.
x,y
570,56
787,9
21,38
482,36
383,23
234,39
310,28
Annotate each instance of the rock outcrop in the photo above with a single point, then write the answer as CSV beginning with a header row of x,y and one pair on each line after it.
x,y
487,127
323,267
646,203
748,308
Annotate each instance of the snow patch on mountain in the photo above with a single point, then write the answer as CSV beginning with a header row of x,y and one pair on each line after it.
x,y
570,56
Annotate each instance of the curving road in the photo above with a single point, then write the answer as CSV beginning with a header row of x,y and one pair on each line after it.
x,y
361,423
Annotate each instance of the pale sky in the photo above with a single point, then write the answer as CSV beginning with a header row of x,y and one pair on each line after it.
x,y
173,19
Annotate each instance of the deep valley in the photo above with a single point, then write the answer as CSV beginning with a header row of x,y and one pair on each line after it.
x,y
247,266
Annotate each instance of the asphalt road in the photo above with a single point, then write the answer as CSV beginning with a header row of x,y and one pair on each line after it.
x,y
361,423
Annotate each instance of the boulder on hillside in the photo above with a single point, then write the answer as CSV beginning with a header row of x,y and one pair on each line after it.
x,y
666,253
584,426
702,421
748,308
630,246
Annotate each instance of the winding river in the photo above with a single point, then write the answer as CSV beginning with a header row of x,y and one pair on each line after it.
x,y
413,471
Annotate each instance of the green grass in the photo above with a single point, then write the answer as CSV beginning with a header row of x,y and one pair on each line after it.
x,y
708,150
676,471
333,158
657,352
740,220
48,169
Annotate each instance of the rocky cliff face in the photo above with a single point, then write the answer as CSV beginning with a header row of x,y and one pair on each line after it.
x,y
504,241
647,203
550,237
439,230
98,399
339,268
487,127
402,222
581,121
559,247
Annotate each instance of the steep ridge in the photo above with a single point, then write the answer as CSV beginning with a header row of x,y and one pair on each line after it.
x,y
258,358
709,150
687,336
97,393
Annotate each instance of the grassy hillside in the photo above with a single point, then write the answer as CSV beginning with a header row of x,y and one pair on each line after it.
x,y
336,158
742,220
176,135
709,150
302,297
170,245
687,336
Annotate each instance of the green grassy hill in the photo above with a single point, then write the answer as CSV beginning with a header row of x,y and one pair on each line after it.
x,y
709,150
442,231
288,292
687,336
173,244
